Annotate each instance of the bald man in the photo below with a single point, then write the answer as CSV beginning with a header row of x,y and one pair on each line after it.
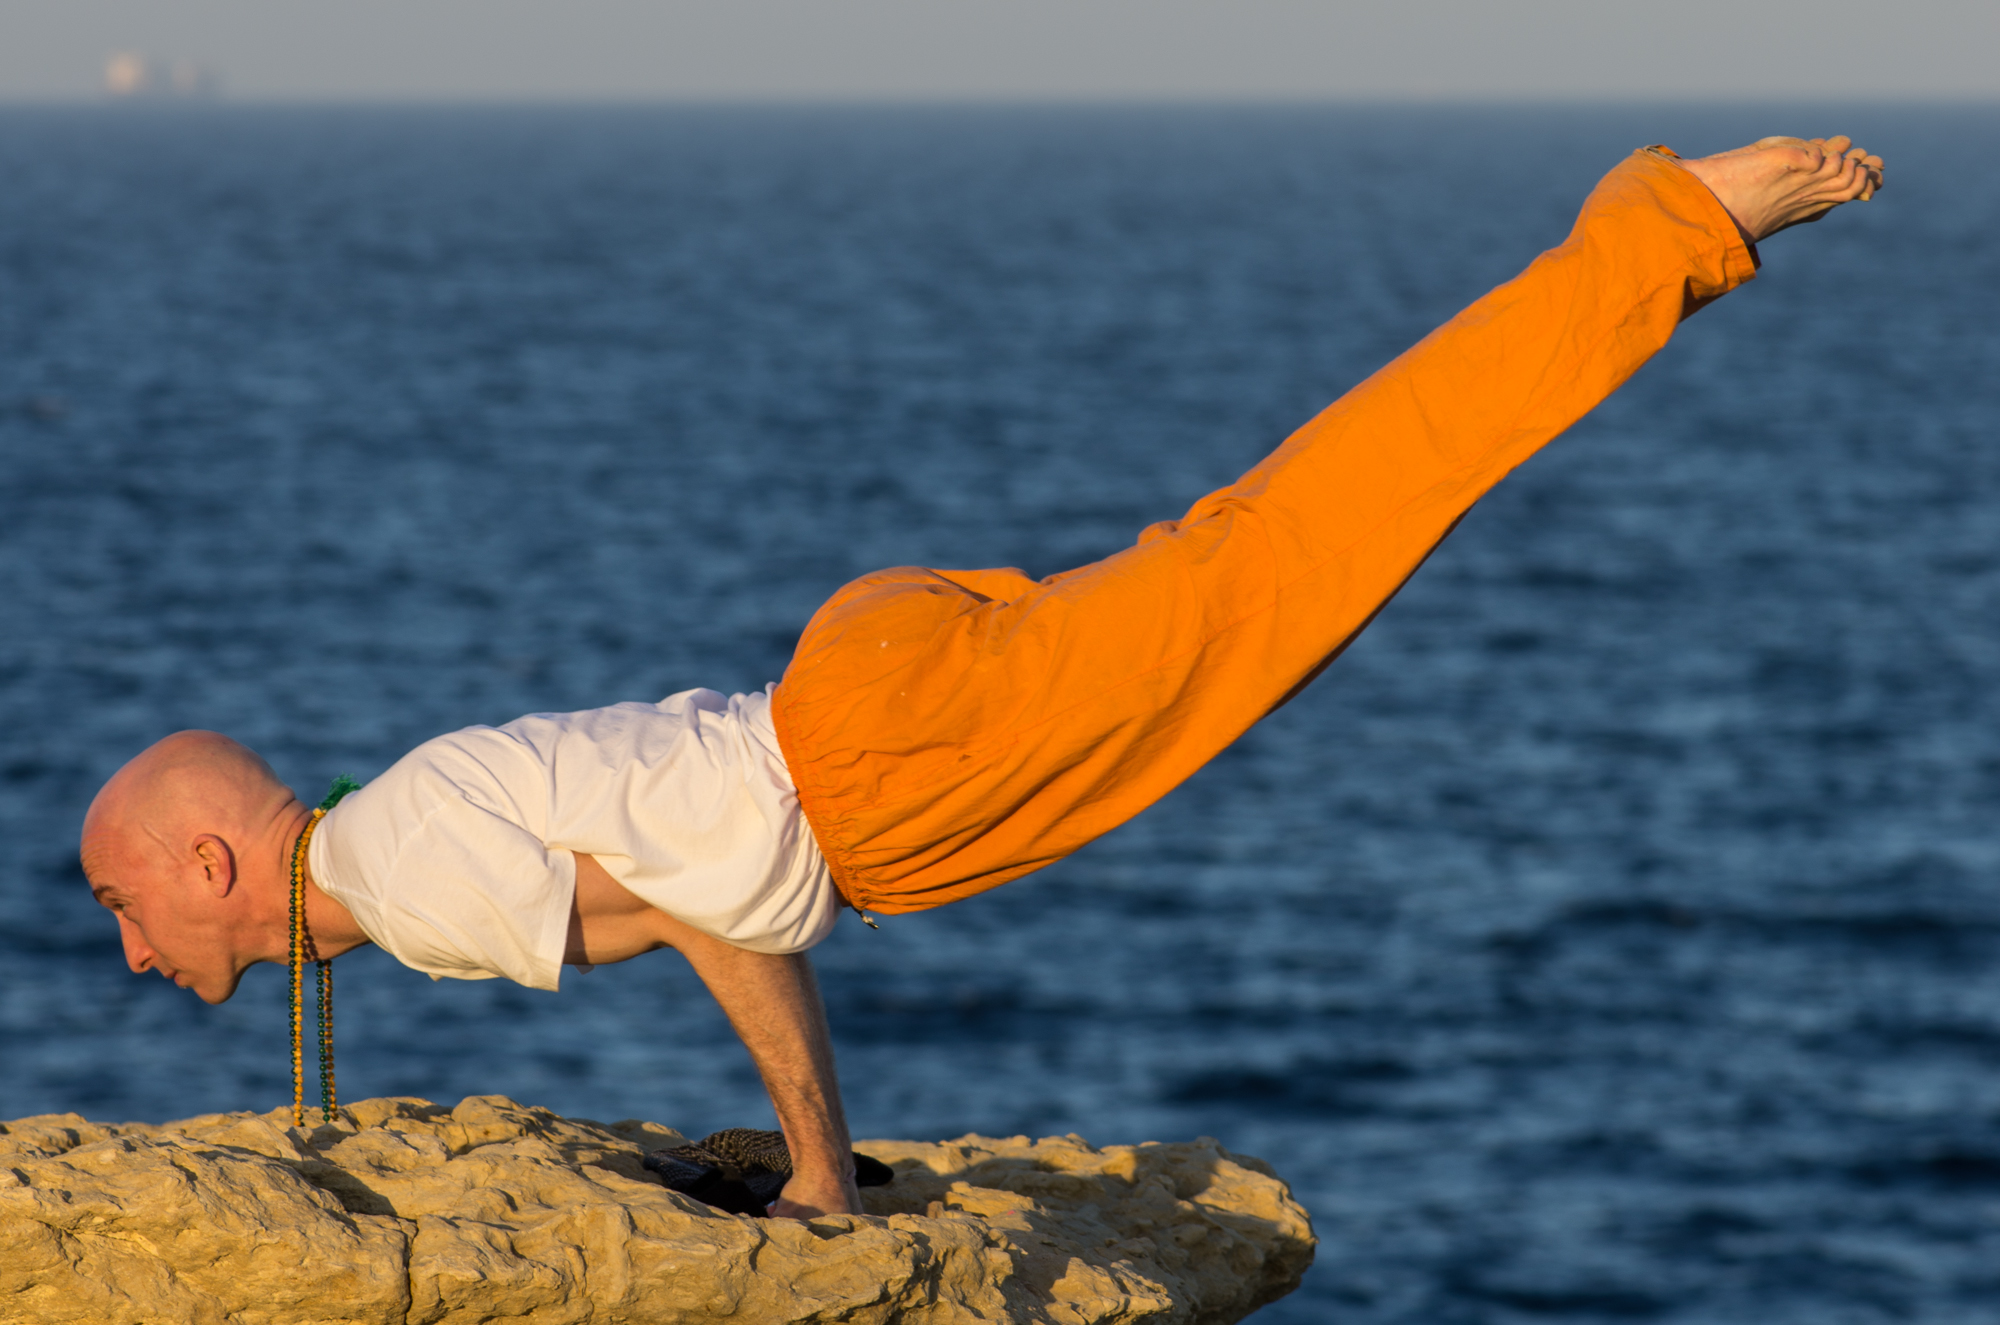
x,y
938,732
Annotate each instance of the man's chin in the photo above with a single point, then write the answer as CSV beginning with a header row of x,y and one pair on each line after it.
x,y
217,993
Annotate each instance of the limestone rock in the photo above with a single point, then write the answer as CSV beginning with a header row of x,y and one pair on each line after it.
x,y
411,1213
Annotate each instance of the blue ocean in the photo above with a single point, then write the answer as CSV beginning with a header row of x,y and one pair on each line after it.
x,y
1612,934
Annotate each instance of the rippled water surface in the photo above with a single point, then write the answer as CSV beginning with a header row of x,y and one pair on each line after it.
x,y
1610,935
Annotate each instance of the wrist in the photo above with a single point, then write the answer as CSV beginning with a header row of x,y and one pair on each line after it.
x,y
822,1168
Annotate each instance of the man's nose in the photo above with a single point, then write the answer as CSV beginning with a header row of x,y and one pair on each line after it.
x,y
138,955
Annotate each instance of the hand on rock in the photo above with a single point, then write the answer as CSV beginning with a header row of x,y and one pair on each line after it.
x,y
806,1198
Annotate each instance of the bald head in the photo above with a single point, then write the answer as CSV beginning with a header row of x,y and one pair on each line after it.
x,y
199,780
186,845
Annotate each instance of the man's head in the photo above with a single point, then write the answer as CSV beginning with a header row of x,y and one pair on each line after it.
x,y
186,846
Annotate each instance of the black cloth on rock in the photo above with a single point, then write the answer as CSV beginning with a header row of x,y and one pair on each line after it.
x,y
742,1170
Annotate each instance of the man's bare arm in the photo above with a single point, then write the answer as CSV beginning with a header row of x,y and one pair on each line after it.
x,y
772,1001
774,1004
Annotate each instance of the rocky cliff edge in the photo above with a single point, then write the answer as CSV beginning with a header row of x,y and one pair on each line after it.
x,y
412,1213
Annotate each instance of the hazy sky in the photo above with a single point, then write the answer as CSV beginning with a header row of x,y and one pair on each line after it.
x,y
583,49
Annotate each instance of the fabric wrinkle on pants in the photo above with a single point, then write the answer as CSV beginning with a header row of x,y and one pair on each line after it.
x,y
949,731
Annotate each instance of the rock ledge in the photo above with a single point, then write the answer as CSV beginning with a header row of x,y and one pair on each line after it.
x,y
412,1213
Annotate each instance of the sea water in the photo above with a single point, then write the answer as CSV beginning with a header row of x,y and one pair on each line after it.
x,y
1610,934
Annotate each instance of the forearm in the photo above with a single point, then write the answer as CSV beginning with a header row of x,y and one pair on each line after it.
x,y
772,1001
774,1004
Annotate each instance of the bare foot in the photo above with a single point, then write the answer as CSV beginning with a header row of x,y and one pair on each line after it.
x,y
1776,183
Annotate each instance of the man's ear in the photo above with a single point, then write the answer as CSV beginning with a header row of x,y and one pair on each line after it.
x,y
217,864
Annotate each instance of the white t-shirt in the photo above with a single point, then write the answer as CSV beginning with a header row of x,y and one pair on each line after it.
x,y
457,860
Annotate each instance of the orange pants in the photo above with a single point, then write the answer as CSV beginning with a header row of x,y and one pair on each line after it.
x,y
952,730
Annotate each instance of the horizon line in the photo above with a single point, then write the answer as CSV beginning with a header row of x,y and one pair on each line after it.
x,y
897,100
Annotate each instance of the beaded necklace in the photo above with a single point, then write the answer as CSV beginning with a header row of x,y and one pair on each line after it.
x,y
304,950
